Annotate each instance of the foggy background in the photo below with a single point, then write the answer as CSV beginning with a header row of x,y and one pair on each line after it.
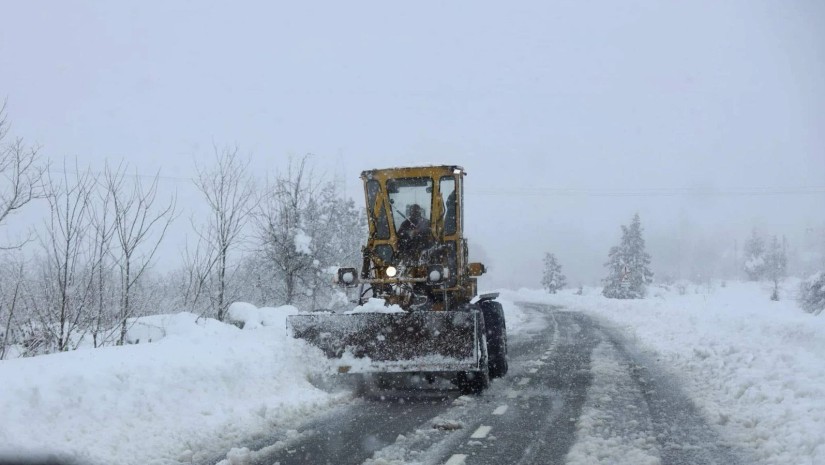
x,y
706,118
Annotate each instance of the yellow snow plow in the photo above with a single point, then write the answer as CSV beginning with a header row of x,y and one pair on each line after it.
x,y
417,311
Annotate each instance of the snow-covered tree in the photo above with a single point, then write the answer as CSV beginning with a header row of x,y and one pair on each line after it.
x,y
754,264
628,265
553,278
338,230
812,293
305,229
776,263
280,225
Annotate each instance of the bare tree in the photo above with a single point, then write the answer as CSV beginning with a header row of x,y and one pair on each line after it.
x,y
228,190
10,300
69,269
102,324
193,278
776,263
139,229
21,173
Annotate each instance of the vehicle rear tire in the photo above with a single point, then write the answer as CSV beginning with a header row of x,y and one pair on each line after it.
x,y
496,331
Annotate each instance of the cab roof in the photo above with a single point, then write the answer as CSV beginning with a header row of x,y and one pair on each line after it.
x,y
401,170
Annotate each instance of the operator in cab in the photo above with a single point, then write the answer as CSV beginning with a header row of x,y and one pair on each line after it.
x,y
414,233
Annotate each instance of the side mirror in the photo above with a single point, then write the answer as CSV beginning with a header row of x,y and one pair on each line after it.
x,y
347,277
476,269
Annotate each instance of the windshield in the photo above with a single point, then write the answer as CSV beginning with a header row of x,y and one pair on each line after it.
x,y
411,199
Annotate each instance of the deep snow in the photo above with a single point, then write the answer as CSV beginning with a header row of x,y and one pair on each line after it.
x,y
201,387
755,367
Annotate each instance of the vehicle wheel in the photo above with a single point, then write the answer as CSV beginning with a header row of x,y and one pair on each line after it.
x,y
496,330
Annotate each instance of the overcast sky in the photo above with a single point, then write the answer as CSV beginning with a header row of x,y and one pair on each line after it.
x,y
561,112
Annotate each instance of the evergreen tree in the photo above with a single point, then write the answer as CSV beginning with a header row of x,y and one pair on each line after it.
x,y
776,263
628,265
755,257
553,279
812,293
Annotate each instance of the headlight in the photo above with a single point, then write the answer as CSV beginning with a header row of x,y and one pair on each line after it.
x,y
436,274
347,277
391,271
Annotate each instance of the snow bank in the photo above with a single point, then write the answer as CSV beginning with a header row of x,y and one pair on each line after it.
x,y
252,317
200,386
517,319
374,305
754,366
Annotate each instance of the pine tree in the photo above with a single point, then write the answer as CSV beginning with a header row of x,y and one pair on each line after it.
x,y
812,293
755,256
553,279
776,263
628,265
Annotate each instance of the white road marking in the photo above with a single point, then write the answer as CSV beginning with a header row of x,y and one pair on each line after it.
x,y
500,410
524,381
481,432
534,370
456,459
512,394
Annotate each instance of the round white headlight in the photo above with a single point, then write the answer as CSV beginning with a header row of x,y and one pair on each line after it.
x,y
435,276
391,271
348,278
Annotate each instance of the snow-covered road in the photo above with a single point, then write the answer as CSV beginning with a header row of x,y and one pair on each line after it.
x,y
576,394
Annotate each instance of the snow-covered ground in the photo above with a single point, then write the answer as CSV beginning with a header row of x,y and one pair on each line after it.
x,y
201,388
755,367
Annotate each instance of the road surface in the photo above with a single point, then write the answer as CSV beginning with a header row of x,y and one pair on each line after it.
x,y
576,393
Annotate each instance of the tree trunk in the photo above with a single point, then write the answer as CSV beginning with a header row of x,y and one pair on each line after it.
x,y
222,284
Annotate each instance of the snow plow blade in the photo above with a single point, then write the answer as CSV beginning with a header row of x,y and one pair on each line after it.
x,y
393,342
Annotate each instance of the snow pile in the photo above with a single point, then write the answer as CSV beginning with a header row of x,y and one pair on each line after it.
x,y
199,388
374,305
252,317
518,321
754,366
302,242
156,327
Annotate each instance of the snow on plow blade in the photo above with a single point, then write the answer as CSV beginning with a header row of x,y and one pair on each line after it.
x,y
393,342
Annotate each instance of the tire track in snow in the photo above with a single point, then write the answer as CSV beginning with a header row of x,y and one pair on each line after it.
x,y
615,424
